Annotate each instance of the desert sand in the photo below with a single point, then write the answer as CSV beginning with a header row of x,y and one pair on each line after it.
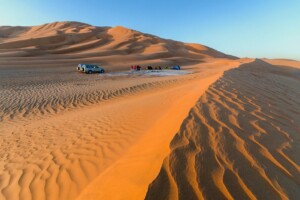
x,y
225,128
69,43
240,141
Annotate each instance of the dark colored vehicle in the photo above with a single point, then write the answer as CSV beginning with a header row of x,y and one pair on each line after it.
x,y
176,67
150,68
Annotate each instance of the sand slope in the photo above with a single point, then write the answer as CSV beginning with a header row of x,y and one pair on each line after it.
x,y
70,43
283,62
55,138
67,135
132,173
240,141
60,131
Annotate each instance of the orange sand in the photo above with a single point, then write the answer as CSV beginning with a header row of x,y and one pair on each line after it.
x,y
67,135
240,141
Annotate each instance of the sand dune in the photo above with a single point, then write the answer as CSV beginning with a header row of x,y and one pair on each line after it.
x,y
61,131
240,141
58,136
133,172
67,135
283,62
70,43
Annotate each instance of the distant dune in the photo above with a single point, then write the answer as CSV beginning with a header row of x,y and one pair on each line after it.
x,y
70,43
283,62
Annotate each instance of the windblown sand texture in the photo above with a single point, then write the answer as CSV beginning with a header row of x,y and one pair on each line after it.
x,y
70,43
63,138
240,141
60,130
68,135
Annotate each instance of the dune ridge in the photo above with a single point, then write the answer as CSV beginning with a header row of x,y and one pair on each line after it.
x,y
71,43
132,173
58,154
61,129
240,141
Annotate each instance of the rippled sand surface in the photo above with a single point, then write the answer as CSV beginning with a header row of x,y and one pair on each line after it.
x,y
240,141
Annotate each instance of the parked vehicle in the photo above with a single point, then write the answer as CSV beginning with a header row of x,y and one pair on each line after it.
x,y
89,68
176,67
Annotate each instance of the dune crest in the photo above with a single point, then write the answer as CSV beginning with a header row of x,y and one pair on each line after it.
x,y
61,131
71,43
241,140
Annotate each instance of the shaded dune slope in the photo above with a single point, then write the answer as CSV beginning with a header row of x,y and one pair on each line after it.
x,y
73,42
240,141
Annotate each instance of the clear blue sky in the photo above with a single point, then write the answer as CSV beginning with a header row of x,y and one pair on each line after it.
x,y
245,28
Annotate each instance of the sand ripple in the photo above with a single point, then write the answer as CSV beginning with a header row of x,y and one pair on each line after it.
x,y
35,98
241,140
55,136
